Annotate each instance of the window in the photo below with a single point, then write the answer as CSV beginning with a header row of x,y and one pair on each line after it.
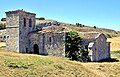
x,y
7,36
95,48
30,23
24,21
86,46
26,50
4,36
50,39
90,48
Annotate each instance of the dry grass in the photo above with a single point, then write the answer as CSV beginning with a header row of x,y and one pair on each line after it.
x,y
28,65
2,44
18,65
115,43
25,65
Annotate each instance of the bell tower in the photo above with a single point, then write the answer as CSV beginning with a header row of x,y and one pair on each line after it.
x,y
19,24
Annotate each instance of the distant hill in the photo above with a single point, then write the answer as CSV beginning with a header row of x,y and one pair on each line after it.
x,y
107,32
79,28
13,64
83,28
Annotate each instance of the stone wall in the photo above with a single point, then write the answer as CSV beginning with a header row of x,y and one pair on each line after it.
x,y
44,23
24,30
49,43
36,38
18,30
54,43
12,31
100,49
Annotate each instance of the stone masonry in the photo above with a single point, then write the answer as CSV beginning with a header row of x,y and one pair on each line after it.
x,y
23,36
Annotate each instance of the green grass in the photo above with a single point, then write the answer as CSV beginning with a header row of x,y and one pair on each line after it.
x,y
18,65
29,65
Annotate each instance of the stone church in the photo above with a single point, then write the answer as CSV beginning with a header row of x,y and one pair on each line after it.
x,y
23,36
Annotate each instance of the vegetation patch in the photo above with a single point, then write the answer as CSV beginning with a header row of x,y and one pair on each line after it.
x,y
59,66
29,65
18,64
108,36
73,49
44,62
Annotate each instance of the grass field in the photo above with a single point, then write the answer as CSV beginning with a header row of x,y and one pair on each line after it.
x,y
115,43
29,65
2,44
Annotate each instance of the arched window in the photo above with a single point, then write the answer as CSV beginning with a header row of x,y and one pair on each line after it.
x,y
7,36
50,39
24,19
30,22
26,50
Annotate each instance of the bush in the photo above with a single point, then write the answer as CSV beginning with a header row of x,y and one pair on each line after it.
x,y
77,24
41,18
108,36
3,19
95,27
83,57
73,49
18,65
83,25
2,26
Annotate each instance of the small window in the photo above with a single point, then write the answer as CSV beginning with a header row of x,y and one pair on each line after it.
x,y
30,22
7,36
50,39
26,50
0,36
24,21
95,48
4,36
90,48
86,46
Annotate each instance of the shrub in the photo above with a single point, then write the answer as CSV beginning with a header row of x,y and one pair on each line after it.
x,y
2,26
108,36
95,27
77,24
83,57
41,18
83,25
18,65
3,19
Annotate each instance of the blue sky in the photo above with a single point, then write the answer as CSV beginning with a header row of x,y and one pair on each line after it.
x,y
100,13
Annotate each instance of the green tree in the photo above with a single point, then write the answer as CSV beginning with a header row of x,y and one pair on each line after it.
x,y
83,57
95,27
3,19
108,36
41,18
73,49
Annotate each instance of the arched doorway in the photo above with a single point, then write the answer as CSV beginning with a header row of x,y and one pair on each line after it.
x,y
36,49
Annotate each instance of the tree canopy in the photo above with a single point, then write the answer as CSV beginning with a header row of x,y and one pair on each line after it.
x,y
73,49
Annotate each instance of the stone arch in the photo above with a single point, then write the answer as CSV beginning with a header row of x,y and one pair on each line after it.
x,y
36,49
